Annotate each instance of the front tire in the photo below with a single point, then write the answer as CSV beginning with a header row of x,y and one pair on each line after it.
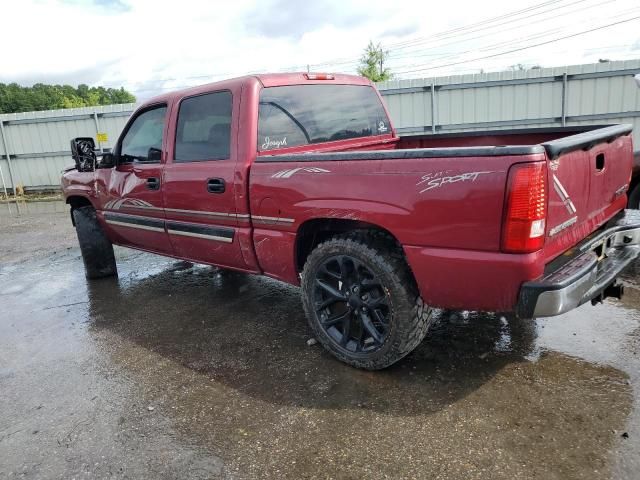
x,y
634,198
96,248
362,302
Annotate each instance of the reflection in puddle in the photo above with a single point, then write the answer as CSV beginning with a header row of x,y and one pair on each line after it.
x,y
224,356
596,334
223,359
503,344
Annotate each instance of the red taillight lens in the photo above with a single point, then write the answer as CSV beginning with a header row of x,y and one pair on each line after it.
x,y
524,229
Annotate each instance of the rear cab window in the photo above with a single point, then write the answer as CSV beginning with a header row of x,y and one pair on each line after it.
x,y
297,115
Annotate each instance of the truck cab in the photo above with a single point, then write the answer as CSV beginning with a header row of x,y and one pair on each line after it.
x,y
183,160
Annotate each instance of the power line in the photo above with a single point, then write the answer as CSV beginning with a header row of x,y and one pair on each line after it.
x,y
514,27
491,24
448,33
422,53
448,55
353,61
522,48
178,87
444,55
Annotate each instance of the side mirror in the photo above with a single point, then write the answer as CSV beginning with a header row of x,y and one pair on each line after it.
x,y
154,155
83,153
108,160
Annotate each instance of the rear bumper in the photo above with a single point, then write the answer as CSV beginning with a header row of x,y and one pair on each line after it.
x,y
588,275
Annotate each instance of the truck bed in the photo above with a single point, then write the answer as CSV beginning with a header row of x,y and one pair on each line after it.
x,y
444,197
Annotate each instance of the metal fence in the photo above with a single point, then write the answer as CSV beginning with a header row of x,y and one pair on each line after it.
x,y
598,93
34,146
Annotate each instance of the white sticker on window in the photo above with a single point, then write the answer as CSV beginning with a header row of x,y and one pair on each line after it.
x,y
382,127
273,143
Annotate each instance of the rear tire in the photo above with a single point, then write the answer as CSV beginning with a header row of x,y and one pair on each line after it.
x,y
96,248
362,302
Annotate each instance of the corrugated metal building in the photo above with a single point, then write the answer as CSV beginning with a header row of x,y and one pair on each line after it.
x,y
38,142
598,93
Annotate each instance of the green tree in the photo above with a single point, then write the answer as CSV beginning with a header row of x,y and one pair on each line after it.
x,y
15,98
372,63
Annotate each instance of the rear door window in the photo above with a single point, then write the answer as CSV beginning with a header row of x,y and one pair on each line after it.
x,y
204,128
305,114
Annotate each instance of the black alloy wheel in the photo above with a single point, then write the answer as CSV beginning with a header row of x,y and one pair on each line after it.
x,y
352,304
361,300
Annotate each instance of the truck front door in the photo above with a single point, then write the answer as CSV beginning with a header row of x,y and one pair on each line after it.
x,y
132,200
198,190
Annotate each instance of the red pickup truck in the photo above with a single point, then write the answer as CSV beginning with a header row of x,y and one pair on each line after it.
x,y
302,177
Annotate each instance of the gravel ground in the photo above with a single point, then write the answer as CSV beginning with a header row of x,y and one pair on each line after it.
x,y
182,371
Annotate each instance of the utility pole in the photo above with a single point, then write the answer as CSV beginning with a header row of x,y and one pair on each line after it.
x,y
4,185
8,157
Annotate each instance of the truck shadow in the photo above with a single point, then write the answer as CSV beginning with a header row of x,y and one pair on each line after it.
x,y
250,333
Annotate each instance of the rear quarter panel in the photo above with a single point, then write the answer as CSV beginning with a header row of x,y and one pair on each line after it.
x,y
450,203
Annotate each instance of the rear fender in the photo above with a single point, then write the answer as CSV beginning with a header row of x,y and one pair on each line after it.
x,y
380,214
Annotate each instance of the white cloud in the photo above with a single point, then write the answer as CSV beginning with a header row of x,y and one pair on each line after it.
x,y
148,46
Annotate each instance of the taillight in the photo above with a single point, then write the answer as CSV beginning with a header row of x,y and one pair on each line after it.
x,y
526,208
319,76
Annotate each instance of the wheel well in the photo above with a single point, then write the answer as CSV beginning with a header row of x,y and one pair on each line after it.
x,y
313,232
77,202
633,195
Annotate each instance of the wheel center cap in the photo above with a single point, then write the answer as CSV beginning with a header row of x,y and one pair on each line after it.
x,y
354,301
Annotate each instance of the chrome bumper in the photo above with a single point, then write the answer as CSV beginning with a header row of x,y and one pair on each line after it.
x,y
590,275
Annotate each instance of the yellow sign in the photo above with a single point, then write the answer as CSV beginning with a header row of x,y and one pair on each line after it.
x,y
102,137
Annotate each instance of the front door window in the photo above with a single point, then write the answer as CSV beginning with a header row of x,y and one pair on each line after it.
x,y
143,140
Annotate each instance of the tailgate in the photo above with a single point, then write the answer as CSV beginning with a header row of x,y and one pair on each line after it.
x,y
589,174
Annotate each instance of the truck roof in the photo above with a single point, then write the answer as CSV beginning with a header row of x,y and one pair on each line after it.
x,y
265,79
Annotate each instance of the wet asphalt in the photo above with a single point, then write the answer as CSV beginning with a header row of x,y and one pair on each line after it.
x,y
180,371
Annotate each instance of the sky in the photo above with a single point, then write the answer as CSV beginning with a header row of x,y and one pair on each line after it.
x,y
150,47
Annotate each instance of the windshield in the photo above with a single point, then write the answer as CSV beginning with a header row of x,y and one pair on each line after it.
x,y
305,114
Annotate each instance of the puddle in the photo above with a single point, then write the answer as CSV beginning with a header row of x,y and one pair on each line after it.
x,y
11,210
13,289
236,392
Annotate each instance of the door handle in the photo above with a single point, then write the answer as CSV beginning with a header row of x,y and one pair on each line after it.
x,y
153,183
215,185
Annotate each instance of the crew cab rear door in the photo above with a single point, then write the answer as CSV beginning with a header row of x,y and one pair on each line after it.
x,y
589,174
199,186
